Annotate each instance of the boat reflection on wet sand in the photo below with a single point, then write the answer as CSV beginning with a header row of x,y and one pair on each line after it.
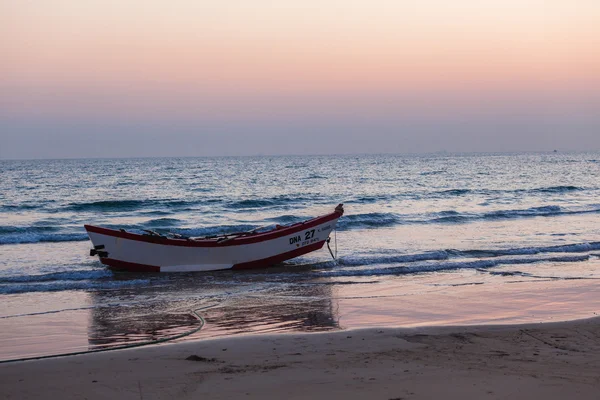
x,y
229,302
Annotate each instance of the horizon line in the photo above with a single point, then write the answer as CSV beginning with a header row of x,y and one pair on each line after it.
x,y
431,153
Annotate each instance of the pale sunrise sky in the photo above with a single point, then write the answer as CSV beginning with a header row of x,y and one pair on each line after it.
x,y
135,78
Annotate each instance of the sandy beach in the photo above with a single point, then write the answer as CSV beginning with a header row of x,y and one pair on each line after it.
x,y
550,361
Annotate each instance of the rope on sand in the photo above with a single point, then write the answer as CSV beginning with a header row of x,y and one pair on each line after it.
x,y
127,346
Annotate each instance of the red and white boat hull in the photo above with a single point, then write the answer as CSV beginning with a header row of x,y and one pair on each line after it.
x,y
130,251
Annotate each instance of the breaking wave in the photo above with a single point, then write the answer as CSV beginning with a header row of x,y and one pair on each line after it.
x,y
441,255
445,266
55,286
38,234
452,253
567,248
404,258
76,275
374,220
163,222
369,220
458,192
544,211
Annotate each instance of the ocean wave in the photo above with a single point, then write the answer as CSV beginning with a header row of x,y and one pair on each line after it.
x,y
155,212
269,202
314,176
18,207
256,203
188,203
557,189
371,199
458,192
542,211
109,205
368,220
527,212
40,231
57,286
202,189
427,173
567,248
378,219
403,258
455,192
135,205
487,192
75,275
530,275
11,229
38,234
296,166
440,255
162,222
446,266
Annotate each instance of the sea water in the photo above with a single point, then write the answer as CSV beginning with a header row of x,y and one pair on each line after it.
x,y
426,239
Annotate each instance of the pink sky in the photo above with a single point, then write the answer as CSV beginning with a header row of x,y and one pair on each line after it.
x,y
259,59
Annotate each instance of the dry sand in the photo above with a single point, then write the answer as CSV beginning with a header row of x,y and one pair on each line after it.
x,y
540,361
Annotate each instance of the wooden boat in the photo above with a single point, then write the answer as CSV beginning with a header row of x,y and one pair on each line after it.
x,y
153,252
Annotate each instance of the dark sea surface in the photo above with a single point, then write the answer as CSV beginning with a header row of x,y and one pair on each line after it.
x,y
436,239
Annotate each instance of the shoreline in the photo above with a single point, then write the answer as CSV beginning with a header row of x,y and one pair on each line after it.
x,y
385,305
554,360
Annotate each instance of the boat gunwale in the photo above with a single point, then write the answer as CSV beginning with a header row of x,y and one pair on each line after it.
x,y
214,242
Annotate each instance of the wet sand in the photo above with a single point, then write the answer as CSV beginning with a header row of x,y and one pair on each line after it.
x,y
549,361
